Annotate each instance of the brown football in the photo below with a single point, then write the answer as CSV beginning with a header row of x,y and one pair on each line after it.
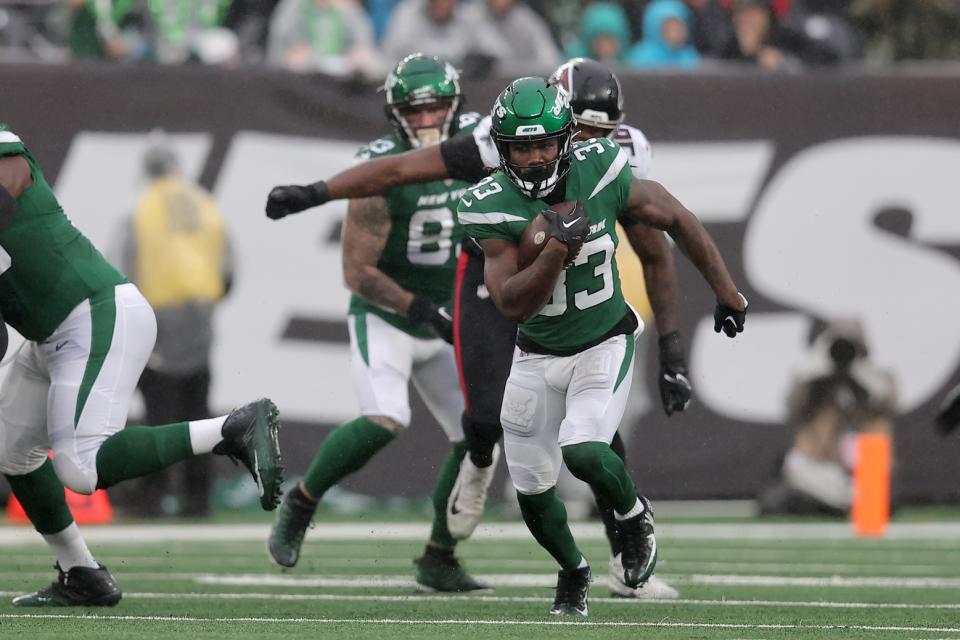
x,y
535,236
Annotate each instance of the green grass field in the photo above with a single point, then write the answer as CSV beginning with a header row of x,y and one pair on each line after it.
x,y
737,579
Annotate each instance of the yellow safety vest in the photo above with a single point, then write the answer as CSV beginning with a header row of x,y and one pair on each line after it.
x,y
180,244
631,278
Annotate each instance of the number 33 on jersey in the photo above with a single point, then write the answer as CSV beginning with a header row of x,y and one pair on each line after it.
x,y
587,301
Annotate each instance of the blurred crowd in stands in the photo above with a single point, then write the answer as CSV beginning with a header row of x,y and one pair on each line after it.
x,y
505,37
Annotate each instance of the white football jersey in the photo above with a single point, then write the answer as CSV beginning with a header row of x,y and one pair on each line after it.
x,y
631,139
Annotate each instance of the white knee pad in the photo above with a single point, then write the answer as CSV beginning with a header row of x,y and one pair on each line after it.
x,y
75,475
519,410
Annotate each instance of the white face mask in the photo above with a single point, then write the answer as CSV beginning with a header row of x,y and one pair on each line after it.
x,y
427,136
529,188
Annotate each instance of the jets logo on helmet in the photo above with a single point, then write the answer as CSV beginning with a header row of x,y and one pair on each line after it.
x,y
532,110
420,80
593,91
561,102
530,129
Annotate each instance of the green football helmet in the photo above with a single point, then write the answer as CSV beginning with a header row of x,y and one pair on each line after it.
x,y
417,80
531,110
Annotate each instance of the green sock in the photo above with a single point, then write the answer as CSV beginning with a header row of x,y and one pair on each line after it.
x,y
345,450
137,451
546,517
596,464
441,493
41,495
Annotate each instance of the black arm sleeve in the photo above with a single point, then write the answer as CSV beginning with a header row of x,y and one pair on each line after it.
x,y
462,159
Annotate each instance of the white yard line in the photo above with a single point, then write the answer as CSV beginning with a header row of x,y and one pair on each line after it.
x,y
138,534
41,564
547,579
495,623
886,582
550,580
828,568
339,597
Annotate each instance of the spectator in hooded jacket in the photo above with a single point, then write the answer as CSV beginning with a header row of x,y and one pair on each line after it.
x,y
666,42
604,34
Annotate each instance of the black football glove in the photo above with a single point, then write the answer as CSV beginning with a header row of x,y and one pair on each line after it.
x,y
294,198
675,387
422,311
728,319
571,229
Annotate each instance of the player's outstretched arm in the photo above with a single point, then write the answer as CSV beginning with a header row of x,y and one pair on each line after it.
x,y
659,274
521,294
370,178
364,238
663,290
650,203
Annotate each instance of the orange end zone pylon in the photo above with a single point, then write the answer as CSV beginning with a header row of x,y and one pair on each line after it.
x,y
871,484
92,509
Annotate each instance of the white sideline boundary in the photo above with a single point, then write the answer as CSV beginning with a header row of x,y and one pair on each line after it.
x,y
382,531
495,623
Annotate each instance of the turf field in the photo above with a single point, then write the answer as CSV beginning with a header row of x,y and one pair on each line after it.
x,y
740,579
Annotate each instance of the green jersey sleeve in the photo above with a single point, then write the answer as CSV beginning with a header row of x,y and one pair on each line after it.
x,y
493,208
385,146
10,143
602,169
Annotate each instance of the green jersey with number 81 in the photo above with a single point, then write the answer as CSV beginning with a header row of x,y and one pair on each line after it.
x,y
424,241
587,301
47,267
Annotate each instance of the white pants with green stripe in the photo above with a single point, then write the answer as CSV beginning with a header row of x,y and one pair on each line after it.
x,y
552,401
72,391
385,359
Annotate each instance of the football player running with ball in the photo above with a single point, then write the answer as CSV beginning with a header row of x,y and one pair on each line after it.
x,y
572,365
89,333
399,259
483,338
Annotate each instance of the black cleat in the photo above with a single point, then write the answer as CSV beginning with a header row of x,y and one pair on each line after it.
x,y
289,526
639,555
250,436
572,588
439,570
78,587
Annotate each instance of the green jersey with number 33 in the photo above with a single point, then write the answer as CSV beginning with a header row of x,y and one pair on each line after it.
x,y
424,241
586,301
47,267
